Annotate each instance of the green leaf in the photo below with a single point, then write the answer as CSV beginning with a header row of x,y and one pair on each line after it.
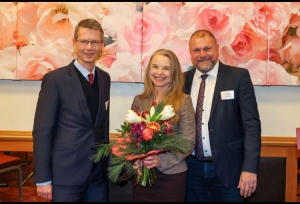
x,y
158,117
148,117
102,151
159,108
125,128
119,166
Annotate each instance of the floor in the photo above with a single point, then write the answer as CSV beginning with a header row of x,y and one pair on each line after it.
x,y
11,192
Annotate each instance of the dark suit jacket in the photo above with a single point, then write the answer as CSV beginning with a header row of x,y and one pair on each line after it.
x,y
64,134
234,125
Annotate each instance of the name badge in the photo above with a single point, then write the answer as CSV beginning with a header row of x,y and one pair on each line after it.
x,y
227,95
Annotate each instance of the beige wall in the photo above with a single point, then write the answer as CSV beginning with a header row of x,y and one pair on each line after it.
x,y
279,106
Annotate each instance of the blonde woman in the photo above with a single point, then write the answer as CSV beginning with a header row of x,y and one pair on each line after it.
x,y
164,83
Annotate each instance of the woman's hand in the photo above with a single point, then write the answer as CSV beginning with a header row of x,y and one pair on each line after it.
x,y
151,161
137,164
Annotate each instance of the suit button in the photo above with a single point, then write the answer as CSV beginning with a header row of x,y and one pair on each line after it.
x,y
211,130
92,148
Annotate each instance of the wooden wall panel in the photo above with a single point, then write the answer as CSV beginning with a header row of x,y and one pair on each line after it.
x,y
271,147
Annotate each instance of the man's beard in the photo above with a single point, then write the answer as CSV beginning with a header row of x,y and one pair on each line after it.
x,y
209,65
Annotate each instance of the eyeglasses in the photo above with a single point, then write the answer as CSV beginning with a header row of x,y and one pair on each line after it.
x,y
84,43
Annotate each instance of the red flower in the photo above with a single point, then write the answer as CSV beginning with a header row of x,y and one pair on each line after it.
x,y
148,134
144,113
135,110
154,126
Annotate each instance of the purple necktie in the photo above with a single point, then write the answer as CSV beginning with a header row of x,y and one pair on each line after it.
x,y
91,78
199,109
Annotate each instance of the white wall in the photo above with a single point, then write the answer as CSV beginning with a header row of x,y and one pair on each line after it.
x,y
279,106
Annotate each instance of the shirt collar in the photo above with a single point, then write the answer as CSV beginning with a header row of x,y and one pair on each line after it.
x,y
213,72
83,70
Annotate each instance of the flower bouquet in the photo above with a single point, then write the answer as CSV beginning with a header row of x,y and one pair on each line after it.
x,y
142,134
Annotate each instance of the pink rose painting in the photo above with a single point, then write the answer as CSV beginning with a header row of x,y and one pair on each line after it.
x,y
263,37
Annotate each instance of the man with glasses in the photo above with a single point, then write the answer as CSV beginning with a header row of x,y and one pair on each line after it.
x,y
72,115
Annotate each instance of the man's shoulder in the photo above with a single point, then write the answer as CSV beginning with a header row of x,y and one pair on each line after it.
x,y
190,71
231,67
102,72
233,70
59,71
62,69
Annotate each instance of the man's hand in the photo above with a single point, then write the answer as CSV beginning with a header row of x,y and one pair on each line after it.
x,y
45,191
247,184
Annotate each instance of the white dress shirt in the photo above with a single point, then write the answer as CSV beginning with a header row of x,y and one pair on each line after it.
x,y
210,84
83,70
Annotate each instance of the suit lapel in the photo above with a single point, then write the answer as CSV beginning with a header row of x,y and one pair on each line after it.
x,y
189,80
101,94
78,92
221,78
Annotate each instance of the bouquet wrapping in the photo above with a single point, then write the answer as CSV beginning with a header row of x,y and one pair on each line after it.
x,y
142,134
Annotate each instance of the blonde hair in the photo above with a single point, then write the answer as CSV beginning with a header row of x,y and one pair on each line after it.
x,y
174,92
90,24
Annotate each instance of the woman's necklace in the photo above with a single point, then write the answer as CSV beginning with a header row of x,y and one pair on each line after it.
x,y
154,101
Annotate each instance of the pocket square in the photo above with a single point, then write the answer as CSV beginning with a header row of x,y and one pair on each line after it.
x,y
106,104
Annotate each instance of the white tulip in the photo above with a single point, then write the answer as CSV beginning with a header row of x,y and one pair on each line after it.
x,y
167,112
132,117
152,111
